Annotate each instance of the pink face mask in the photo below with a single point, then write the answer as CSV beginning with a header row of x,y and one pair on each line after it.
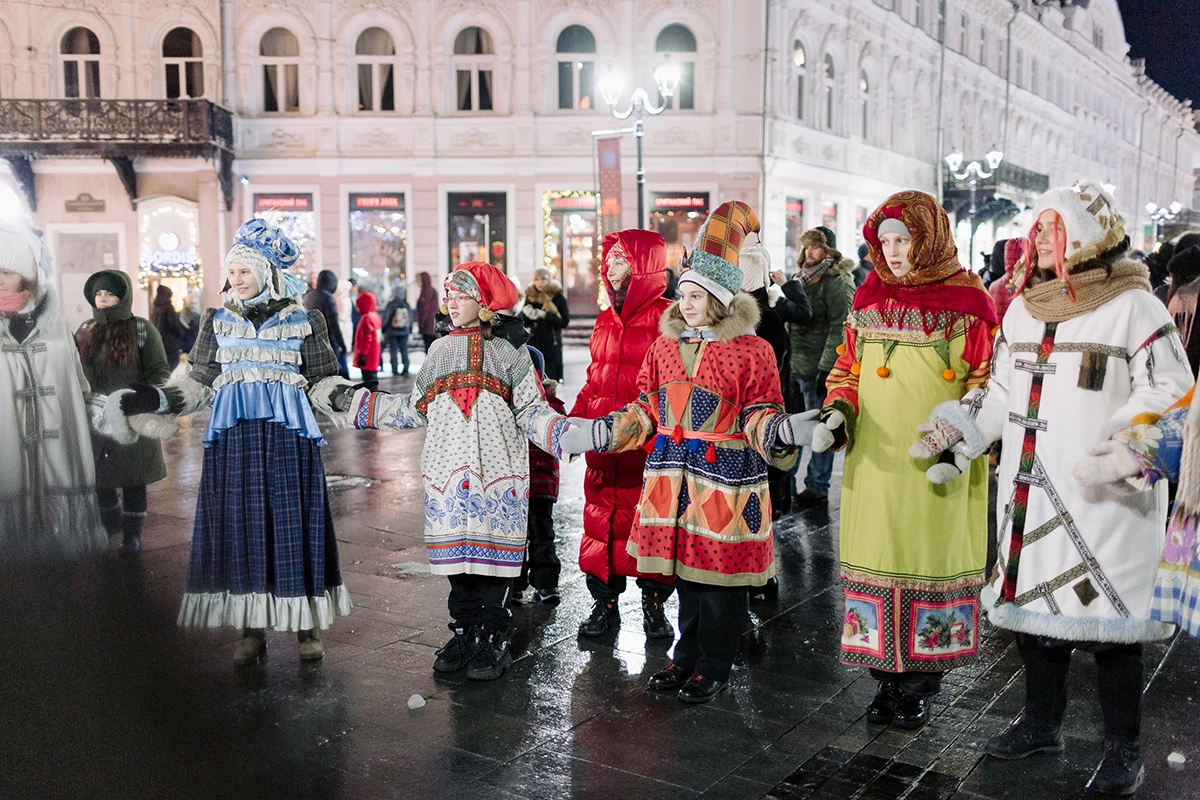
x,y
12,302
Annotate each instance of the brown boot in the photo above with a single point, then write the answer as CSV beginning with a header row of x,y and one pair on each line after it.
x,y
251,647
311,648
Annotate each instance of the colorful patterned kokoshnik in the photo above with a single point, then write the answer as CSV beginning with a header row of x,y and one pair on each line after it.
x,y
1008,592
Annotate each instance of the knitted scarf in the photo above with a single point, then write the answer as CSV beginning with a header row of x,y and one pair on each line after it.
x,y
811,273
1049,302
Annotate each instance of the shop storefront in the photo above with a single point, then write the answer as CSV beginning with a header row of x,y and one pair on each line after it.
x,y
294,215
168,236
829,215
378,241
478,228
677,216
571,239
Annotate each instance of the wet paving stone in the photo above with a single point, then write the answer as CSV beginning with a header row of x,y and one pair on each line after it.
x,y
104,697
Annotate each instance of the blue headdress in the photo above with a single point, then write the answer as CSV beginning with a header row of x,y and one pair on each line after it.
x,y
269,253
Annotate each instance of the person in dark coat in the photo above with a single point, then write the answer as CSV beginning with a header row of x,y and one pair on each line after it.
x,y
320,298
191,321
118,350
170,327
427,310
1184,268
397,324
546,315
864,268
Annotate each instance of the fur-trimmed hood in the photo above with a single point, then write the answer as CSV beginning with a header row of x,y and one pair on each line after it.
x,y
841,265
544,299
742,319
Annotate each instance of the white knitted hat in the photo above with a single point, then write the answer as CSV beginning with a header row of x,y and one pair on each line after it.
x,y
755,262
16,255
1090,217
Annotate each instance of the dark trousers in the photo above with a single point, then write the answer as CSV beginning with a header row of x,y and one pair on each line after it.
x,y
651,589
917,684
711,620
369,375
1118,683
132,499
429,338
480,601
541,567
398,341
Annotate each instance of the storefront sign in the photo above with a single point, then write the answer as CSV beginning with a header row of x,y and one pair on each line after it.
x,y
283,202
382,202
679,201
583,202
84,202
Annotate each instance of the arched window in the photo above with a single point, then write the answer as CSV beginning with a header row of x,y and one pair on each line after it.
x,y
80,52
679,44
280,53
473,60
182,53
799,62
576,50
828,88
864,96
375,59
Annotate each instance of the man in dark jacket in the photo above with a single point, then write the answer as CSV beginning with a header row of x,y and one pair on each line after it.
x,y
320,298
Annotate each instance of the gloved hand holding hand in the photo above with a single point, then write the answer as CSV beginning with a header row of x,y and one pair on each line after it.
x,y
950,464
1108,462
940,435
142,399
799,428
341,398
823,434
532,312
578,438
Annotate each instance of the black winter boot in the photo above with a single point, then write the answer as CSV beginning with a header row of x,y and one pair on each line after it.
x,y
1121,771
131,534
458,652
111,519
654,616
1040,728
604,618
493,659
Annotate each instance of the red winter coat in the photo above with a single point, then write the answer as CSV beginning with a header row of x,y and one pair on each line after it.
x,y
613,484
366,336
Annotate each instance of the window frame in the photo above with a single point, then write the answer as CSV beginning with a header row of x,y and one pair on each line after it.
x,y
828,82
181,63
686,60
579,61
799,72
87,65
376,63
474,64
283,65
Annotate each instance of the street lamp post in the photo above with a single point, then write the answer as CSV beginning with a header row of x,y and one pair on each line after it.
x,y
973,173
666,77
1162,215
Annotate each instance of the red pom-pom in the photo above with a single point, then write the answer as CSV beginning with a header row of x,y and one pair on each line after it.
x,y
710,455
677,434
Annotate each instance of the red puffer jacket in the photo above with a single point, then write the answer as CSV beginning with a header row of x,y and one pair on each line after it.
x,y
613,484
366,338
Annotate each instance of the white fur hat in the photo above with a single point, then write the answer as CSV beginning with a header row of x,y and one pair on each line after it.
x,y
1090,217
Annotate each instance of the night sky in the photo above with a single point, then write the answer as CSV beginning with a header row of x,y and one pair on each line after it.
x,y
1167,34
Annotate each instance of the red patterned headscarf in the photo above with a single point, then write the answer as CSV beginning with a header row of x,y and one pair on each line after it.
x,y
937,283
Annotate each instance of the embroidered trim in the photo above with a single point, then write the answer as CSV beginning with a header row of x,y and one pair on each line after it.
x,y
1045,590
1028,423
1073,347
911,328
1035,367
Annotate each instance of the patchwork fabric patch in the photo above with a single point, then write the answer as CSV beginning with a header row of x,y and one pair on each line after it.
x,y
861,631
941,631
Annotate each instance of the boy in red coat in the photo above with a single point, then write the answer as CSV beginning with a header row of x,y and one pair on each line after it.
x,y
635,276
366,336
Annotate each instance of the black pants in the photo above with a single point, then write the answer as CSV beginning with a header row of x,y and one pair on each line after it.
x,y
617,583
132,500
1118,683
480,600
541,567
917,684
398,342
711,620
370,375
429,338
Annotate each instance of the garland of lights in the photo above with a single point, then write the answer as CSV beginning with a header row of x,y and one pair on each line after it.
x,y
187,267
550,243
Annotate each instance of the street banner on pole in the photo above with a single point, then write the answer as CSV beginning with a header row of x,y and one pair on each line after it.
x,y
608,151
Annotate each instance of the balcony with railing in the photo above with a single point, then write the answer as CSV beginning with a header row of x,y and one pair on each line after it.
x,y
116,130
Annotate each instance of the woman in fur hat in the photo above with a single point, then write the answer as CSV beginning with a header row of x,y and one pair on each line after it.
x,y
912,554
546,315
710,402
118,350
480,398
47,477
264,552
1085,350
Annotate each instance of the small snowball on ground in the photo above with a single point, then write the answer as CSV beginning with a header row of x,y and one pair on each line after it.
x,y
416,701
1176,759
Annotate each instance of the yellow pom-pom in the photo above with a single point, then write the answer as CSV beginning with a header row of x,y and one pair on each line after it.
x,y
949,374
485,314
883,372
841,349
856,369
444,309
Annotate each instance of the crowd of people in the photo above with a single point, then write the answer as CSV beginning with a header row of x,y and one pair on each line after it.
x,y
697,405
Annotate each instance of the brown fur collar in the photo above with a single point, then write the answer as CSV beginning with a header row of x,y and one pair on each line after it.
x,y
743,318
544,300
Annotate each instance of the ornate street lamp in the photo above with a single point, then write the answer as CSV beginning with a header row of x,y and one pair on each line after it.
x,y
972,174
1161,215
666,76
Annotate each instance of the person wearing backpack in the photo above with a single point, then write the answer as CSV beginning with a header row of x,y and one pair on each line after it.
x,y
397,324
118,350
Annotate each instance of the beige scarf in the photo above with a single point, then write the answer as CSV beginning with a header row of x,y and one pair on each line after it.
x,y
1049,302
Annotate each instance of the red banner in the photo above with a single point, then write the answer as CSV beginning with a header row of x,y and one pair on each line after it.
x,y
608,152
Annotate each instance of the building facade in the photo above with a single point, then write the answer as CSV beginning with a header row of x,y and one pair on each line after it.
x,y
404,137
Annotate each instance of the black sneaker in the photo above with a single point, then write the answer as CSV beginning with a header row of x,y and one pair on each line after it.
x,y
549,597
809,499
670,679
654,621
912,711
1121,771
493,658
1024,740
699,689
767,593
605,617
457,652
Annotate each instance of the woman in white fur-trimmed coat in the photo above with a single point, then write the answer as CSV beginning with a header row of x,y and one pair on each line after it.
x,y
1084,351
